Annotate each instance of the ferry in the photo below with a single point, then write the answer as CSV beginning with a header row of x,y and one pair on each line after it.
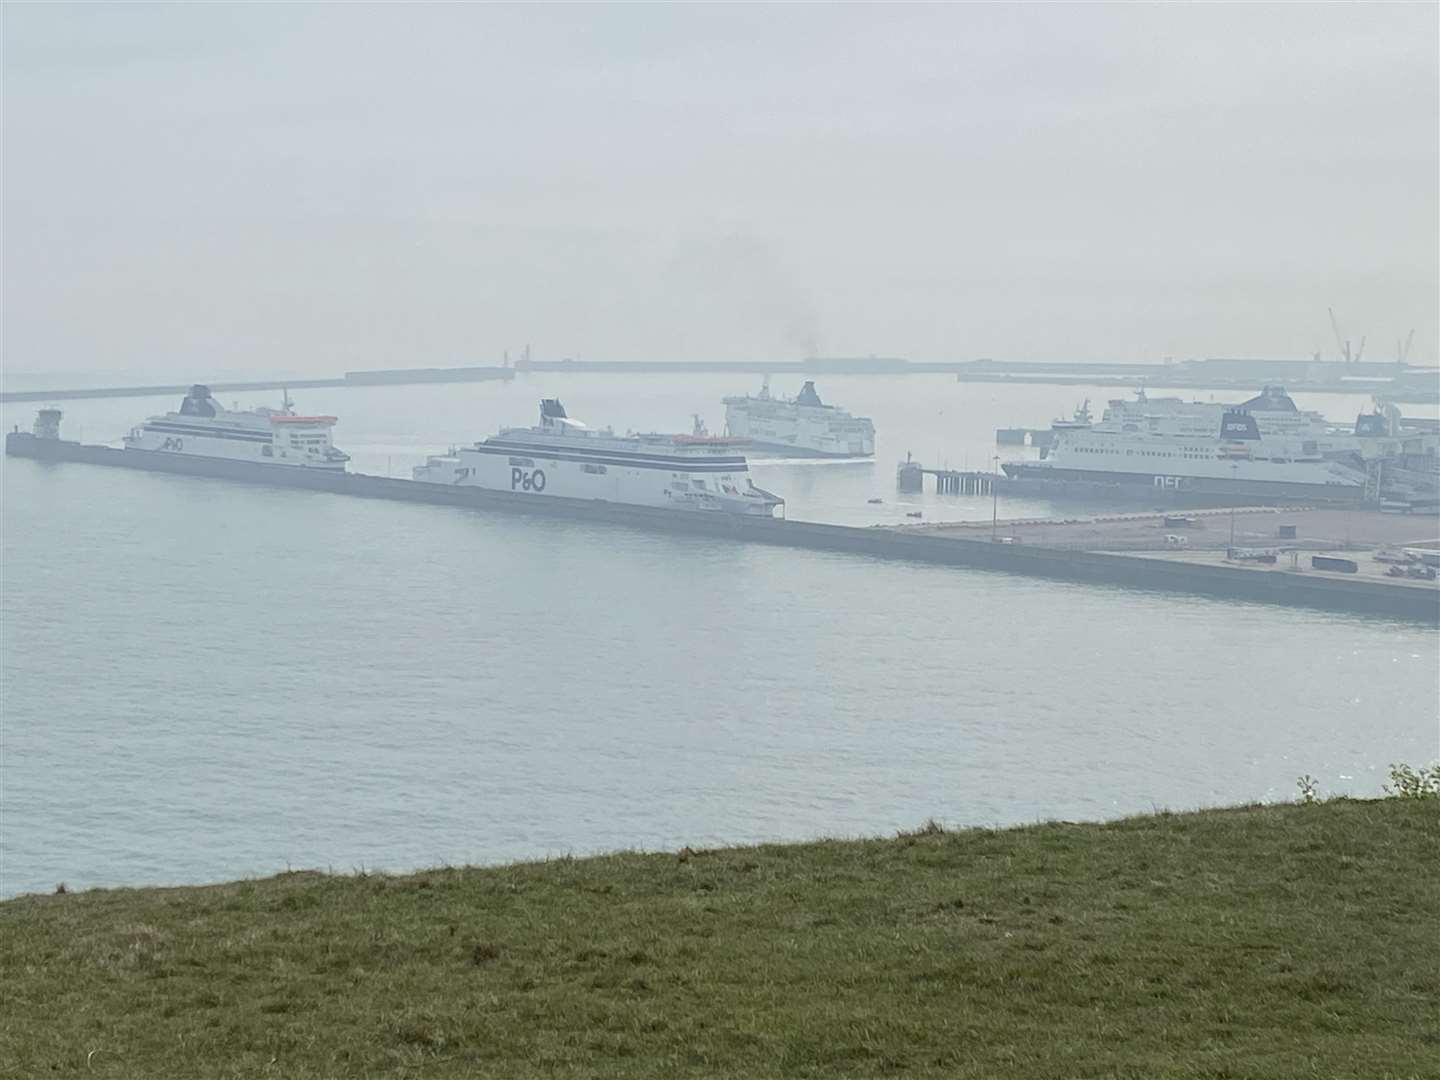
x,y
204,429
562,457
803,426
1232,458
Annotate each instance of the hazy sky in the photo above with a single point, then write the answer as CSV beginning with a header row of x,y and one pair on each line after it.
x,y
318,188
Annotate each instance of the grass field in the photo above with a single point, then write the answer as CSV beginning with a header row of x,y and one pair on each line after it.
x,y
1274,941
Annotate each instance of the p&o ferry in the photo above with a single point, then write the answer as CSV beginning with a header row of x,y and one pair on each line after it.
x,y
262,436
562,457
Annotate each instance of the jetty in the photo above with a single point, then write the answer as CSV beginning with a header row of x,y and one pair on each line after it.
x,y
910,479
1208,573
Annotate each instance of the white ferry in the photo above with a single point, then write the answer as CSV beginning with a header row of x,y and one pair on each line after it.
x,y
561,457
802,426
1231,458
204,429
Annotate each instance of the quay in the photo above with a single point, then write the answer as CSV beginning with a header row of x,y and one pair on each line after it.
x,y
1203,571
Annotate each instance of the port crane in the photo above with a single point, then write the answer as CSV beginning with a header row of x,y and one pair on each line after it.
x,y
1402,351
1344,343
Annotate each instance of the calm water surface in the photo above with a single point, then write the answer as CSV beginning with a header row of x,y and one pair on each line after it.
x,y
203,680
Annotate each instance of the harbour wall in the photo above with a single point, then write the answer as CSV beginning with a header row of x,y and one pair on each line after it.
x,y
390,377
1302,589
1410,385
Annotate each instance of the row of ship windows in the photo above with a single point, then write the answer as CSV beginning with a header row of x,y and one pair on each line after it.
x,y
266,451
529,463
1144,453
601,470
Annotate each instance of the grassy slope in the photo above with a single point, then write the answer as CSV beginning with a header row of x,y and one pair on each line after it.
x,y
1260,942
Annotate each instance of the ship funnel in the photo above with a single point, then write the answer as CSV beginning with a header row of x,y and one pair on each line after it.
x,y
553,416
47,424
198,402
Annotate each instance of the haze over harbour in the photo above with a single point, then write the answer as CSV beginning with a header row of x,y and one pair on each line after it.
x,y
250,190
658,540
207,680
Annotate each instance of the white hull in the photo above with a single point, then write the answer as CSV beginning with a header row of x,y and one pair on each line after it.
x,y
556,461
1172,469
1291,486
202,429
192,444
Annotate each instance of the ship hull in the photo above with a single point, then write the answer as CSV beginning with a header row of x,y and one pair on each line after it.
x,y
23,444
655,478
1053,480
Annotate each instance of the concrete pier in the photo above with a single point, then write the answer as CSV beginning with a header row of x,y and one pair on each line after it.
x,y
950,482
1190,572
910,479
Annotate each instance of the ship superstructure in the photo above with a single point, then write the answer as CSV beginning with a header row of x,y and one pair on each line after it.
x,y
562,457
263,436
1274,411
1376,435
802,426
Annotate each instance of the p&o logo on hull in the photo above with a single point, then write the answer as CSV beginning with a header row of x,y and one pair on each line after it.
x,y
527,480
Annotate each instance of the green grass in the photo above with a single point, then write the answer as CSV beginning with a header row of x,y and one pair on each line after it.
x,y
1275,941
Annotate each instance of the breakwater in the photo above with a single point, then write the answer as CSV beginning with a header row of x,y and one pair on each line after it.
x,y
1280,586
1399,384
387,377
